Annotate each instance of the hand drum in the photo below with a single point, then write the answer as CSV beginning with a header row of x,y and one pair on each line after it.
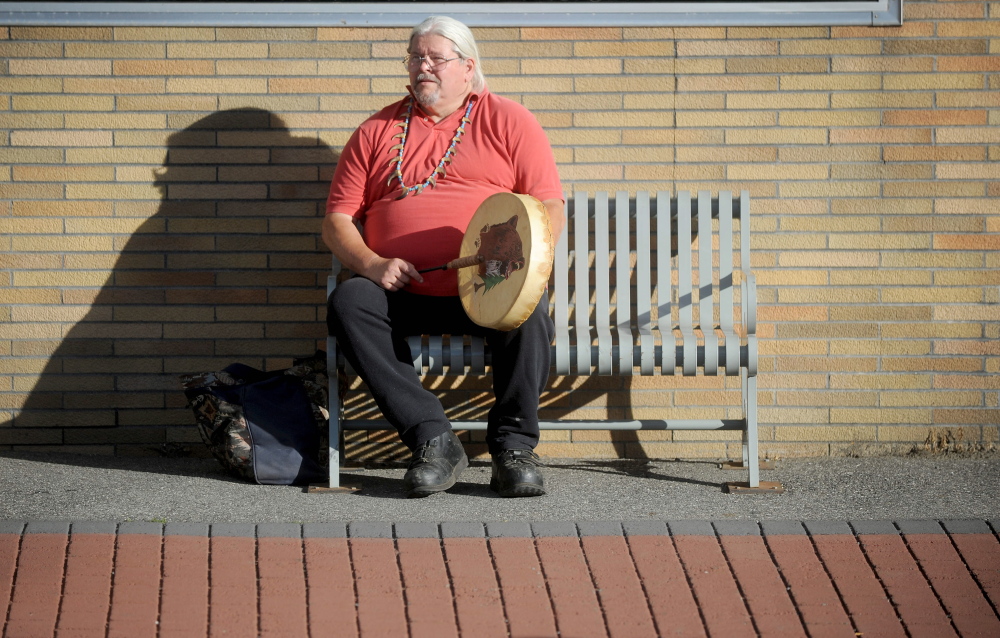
x,y
511,234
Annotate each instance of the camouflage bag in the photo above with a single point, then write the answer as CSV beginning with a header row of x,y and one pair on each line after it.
x,y
265,427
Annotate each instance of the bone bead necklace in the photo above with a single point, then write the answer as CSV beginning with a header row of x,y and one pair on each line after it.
x,y
401,148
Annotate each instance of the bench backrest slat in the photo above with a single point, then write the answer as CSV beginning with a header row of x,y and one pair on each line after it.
x,y
643,285
581,233
664,284
685,284
602,289
623,283
560,267
706,300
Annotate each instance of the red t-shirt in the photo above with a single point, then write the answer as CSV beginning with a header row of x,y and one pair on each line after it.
x,y
503,149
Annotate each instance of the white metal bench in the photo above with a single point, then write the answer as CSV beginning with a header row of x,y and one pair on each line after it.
x,y
625,316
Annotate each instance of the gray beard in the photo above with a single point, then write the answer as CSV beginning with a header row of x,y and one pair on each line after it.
x,y
425,98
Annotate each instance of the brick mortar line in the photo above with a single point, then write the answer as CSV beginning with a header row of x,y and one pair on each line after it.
x,y
968,569
13,581
354,587
163,564
593,582
690,584
62,587
402,587
784,581
836,587
111,591
736,580
548,588
642,584
937,596
878,577
305,580
496,574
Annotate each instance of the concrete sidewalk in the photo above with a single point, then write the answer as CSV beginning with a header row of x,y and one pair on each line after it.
x,y
99,546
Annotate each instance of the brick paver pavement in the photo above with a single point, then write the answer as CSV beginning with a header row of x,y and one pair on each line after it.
x,y
608,579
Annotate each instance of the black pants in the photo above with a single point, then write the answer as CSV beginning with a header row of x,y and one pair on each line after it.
x,y
371,326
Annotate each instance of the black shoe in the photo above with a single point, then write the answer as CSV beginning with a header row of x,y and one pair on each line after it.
x,y
435,466
517,473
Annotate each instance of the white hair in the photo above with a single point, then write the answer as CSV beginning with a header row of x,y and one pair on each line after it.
x,y
461,38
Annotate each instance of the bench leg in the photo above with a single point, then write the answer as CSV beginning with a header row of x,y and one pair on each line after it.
x,y
333,451
751,453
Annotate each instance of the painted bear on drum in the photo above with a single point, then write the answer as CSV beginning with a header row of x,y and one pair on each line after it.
x,y
502,252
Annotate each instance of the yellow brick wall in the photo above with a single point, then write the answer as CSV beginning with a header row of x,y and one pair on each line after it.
x,y
160,190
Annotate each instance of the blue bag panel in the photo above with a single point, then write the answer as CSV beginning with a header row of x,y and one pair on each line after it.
x,y
284,436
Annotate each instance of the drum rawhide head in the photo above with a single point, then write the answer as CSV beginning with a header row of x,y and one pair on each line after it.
x,y
512,234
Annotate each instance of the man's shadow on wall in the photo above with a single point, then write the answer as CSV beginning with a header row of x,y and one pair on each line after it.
x,y
230,268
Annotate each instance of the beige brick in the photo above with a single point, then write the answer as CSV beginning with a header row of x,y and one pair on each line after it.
x,y
882,99
29,191
30,85
10,120
965,99
880,381
60,33
882,64
579,102
829,189
829,118
834,47
881,277
113,85
726,84
615,84
780,101
573,34
315,85
201,103
864,241
113,191
365,33
629,119
14,49
492,51
778,172
662,66
932,189
63,173
806,433
164,67
727,153
113,50
691,66
931,81
828,82
572,66
62,208
776,65
115,121
968,135
59,67
880,415
166,34
63,103
222,85
629,48
777,136
217,50
689,119
91,155
727,48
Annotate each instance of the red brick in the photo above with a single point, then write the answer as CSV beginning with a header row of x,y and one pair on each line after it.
x,y
184,593
429,608
135,593
381,607
87,586
969,610
476,591
714,587
529,612
915,603
814,594
618,585
866,601
233,577
281,587
772,609
35,600
670,598
331,599
574,601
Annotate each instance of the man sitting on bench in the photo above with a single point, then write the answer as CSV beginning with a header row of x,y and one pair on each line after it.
x,y
411,177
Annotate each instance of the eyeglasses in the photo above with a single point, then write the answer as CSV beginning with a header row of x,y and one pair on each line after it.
x,y
434,62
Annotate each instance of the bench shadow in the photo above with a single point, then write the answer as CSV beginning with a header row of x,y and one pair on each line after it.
x,y
226,266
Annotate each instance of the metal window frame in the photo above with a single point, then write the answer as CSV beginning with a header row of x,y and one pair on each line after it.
x,y
474,14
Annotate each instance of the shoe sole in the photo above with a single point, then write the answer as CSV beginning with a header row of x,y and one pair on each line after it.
x,y
517,491
427,490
